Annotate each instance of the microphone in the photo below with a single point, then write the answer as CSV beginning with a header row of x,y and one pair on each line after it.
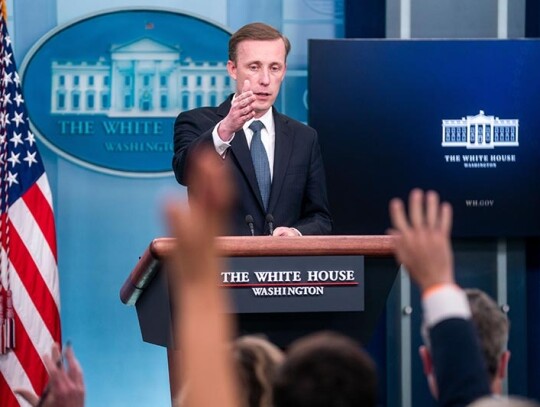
x,y
249,221
270,221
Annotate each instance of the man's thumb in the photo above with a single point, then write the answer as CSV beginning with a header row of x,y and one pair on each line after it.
x,y
28,395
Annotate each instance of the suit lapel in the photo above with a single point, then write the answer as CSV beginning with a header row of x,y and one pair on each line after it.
x,y
283,148
282,154
241,153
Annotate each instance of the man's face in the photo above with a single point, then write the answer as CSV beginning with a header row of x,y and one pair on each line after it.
x,y
263,64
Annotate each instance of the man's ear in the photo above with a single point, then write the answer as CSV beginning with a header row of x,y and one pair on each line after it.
x,y
503,364
425,357
231,68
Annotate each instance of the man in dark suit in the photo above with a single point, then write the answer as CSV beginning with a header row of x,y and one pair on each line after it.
x,y
277,166
492,327
423,246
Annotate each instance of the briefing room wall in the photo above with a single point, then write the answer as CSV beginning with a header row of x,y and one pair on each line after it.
x,y
104,221
455,19
497,266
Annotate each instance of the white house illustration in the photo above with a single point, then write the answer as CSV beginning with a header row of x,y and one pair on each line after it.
x,y
480,131
140,78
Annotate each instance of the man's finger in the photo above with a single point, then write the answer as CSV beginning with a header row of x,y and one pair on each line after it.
x,y
446,218
247,86
56,354
397,215
432,208
55,373
178,219
75,370
416,207
28,395
50,364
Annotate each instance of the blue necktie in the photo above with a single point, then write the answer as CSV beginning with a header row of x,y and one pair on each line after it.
x,y
260,162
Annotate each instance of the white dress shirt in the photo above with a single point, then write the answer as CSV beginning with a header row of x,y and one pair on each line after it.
x,y
268,137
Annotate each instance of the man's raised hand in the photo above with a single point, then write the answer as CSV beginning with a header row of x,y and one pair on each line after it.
x,y
241,111
423,238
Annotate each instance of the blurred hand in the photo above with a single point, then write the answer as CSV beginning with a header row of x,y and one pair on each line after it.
x,y
66,385
202,325
423,238
285,231
196,226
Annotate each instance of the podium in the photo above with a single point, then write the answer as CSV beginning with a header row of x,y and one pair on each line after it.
x,y
146,287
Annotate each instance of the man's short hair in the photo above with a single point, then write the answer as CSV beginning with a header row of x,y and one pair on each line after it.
x,y
326,370
256,32
492,327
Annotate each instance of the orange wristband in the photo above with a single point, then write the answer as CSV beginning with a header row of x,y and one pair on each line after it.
x,y
437,287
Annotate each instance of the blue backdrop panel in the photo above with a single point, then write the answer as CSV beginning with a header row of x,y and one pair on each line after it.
x,y
456,116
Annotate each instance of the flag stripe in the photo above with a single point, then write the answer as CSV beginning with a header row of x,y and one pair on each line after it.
x,y
3,259
28,314
7,397
14,373
23,221
43,215
33,282
29,358
33,340
29,250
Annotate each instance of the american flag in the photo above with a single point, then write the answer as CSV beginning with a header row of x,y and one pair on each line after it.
x,y
29,292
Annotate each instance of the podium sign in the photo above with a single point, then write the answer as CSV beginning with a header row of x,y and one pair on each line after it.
x,y
295,284
283,287
335,283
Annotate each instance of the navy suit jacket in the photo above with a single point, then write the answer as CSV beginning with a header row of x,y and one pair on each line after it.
x,y
298,195
459,364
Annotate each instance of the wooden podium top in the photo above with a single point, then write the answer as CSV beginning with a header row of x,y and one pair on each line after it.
x,y
249,246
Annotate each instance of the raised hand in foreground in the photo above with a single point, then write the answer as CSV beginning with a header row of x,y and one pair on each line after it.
x,y
66,385
202,325
423,246
423,238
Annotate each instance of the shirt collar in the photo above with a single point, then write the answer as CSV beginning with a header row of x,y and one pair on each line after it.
x,y
267,119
